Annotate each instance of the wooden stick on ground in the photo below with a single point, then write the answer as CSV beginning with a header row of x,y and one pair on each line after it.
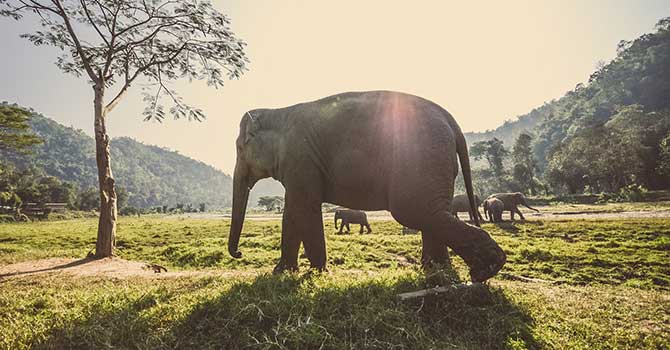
x,y
433,291
527,279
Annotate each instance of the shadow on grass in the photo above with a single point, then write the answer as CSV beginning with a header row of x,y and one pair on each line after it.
x,y
53,268
306,312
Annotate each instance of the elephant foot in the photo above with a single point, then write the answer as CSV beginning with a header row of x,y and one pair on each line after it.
x,y
321,268
281,268
484,257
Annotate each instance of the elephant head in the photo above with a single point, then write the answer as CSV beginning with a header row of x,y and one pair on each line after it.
x,y
256,153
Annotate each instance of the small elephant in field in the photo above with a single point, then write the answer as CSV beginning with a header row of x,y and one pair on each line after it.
x,y
349,216
511,201
460,203
493,209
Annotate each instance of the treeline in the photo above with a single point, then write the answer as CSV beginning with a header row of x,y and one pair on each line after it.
x,y
610,134
148,176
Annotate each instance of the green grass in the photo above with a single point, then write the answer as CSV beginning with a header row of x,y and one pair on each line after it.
x,y
606,207
613,290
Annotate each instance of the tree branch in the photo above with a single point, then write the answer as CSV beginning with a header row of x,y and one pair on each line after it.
x,y
85,60
92,22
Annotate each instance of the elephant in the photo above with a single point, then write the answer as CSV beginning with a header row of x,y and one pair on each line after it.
x,y
460,203
406,150
511,201
349,216
493,209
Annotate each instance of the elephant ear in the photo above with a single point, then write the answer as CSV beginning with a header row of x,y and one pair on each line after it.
x,y
251,127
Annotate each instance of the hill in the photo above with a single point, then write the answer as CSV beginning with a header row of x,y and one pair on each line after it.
x,y
151,175
620,117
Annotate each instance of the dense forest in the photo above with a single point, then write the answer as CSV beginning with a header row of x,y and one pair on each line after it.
x,y
606,135
146,175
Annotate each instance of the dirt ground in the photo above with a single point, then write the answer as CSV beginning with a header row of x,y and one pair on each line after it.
x,y
108,267
546,213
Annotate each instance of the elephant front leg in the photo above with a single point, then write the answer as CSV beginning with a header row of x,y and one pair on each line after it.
x,y
302,222
290,243
520,215
313,238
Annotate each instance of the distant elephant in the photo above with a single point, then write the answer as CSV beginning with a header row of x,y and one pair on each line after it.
x,y
349,216
405,150
460,203
493,209
511,201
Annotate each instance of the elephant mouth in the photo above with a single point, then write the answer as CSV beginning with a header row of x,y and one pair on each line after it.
x,y
485,259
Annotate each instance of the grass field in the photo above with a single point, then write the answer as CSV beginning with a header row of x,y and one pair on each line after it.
x,y
610,290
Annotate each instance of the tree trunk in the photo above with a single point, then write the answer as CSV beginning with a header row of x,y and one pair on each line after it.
x,y
104,246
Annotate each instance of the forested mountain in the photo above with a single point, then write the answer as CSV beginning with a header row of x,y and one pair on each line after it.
x,y
150,175
607,133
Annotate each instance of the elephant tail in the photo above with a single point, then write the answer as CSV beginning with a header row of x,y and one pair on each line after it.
x,y
464,159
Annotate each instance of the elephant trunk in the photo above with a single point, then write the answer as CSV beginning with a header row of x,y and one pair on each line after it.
x,y
240,198
523,201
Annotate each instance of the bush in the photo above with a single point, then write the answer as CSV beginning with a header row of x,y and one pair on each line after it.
x,y
630,193
129,211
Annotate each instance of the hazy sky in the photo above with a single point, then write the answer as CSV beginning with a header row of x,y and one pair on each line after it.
x,y
484,62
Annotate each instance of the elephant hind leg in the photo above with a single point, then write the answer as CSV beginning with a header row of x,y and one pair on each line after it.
x,y
434,249
479,251
367,226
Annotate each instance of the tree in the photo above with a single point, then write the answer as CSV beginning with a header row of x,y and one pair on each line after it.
x,y
523,163
663,167
495,153
15,132
88,199
271,203
113,43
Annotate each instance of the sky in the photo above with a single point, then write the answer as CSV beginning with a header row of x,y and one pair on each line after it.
x,y
485,62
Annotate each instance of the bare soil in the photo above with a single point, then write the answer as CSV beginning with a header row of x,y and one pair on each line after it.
x,y
546,213
107,267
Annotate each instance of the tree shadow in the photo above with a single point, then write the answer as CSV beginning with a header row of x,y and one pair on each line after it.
x,y
307,311
508,226
52,268
511,226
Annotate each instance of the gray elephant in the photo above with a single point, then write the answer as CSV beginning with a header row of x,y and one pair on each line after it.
x,y
493,209
406,151
349,216
511,201
460,203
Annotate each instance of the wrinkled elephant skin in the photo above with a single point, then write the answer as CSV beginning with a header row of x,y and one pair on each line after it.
x,y
405,150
